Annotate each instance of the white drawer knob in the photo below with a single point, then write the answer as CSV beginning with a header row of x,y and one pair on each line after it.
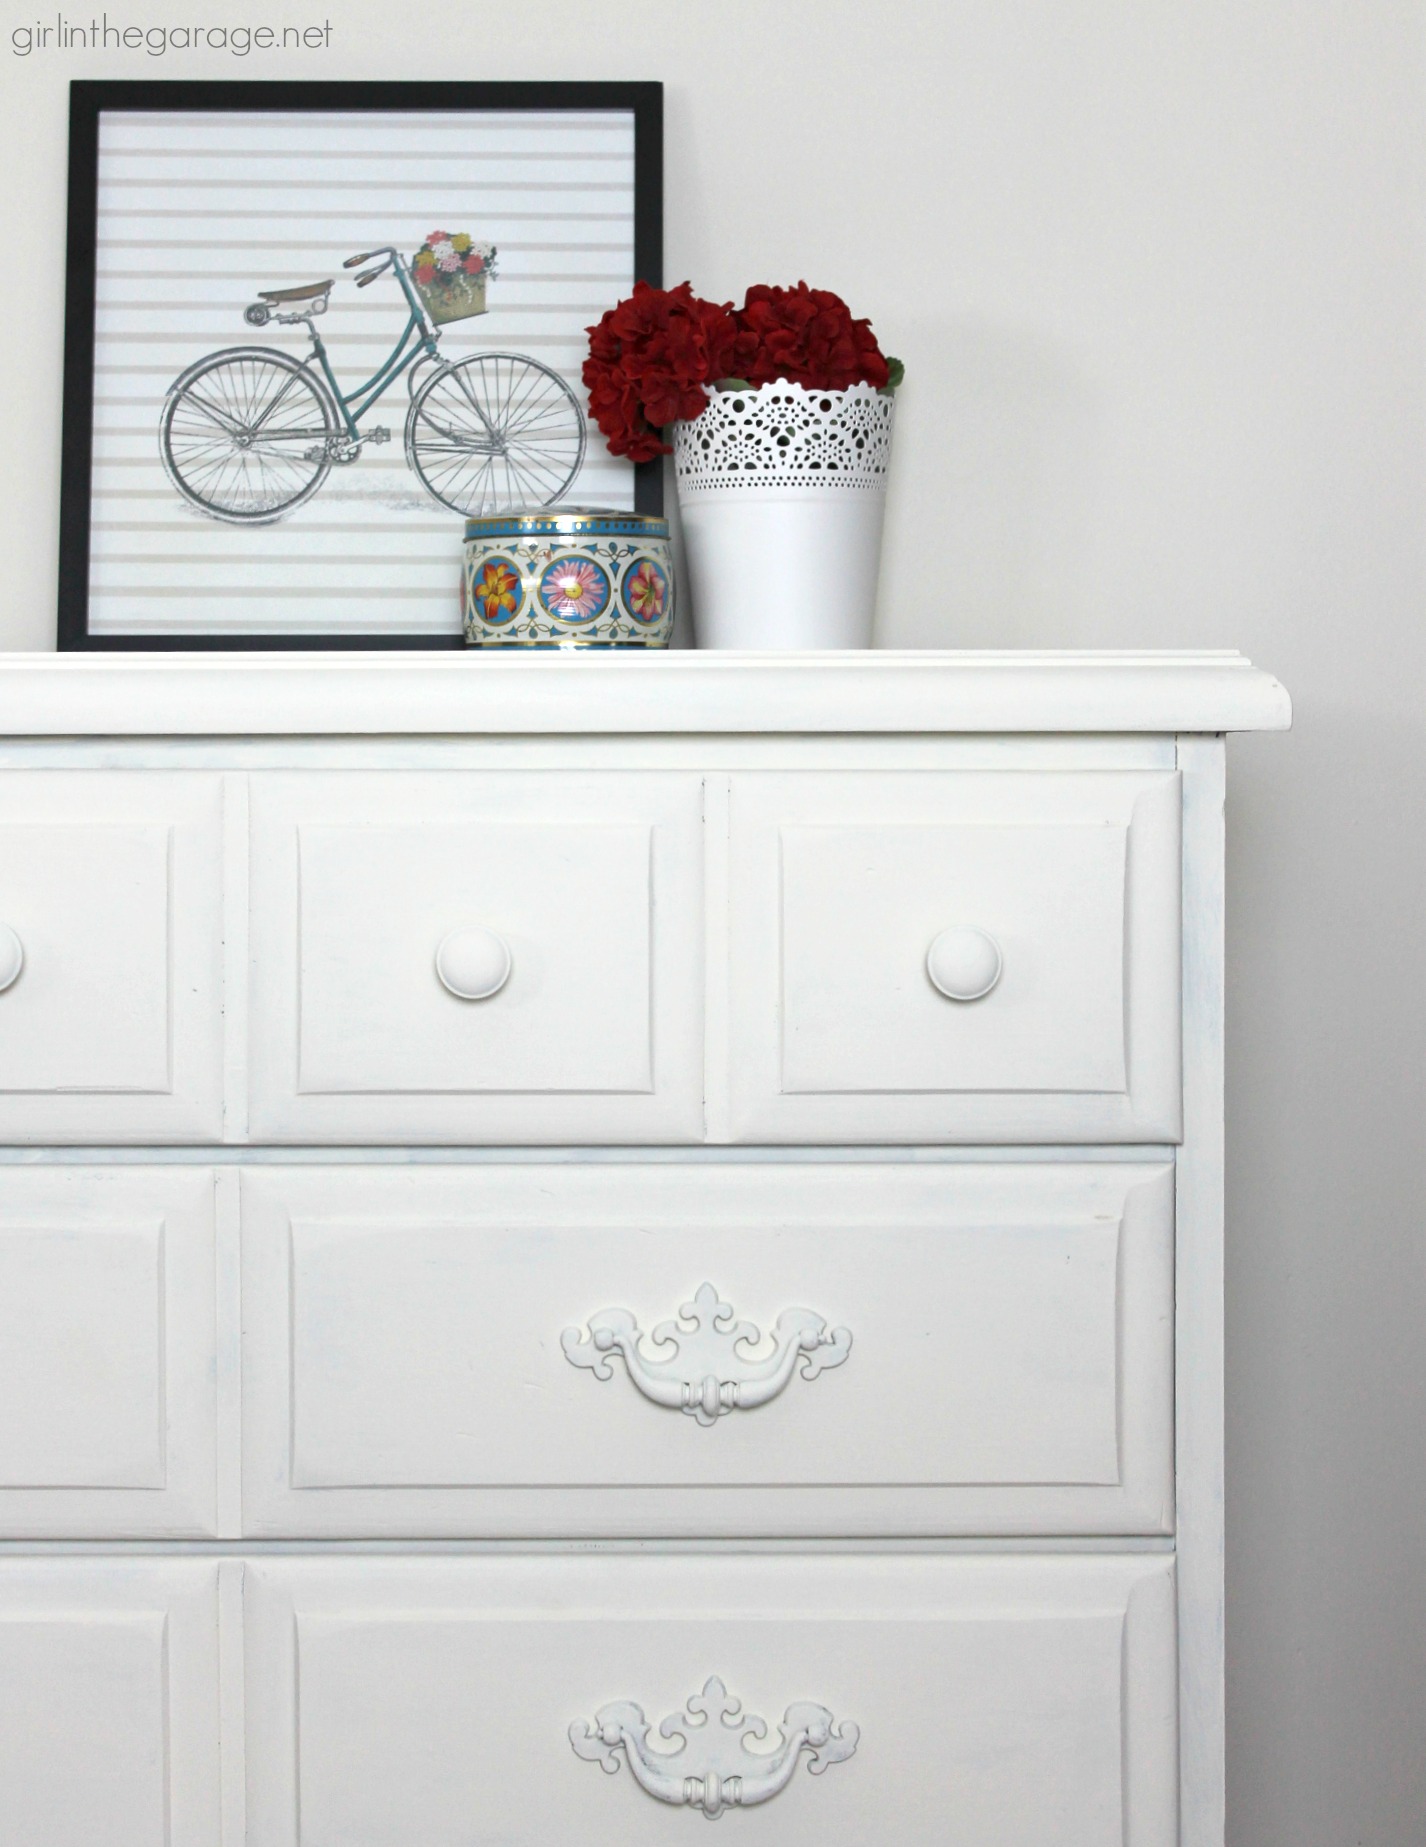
x,y
12,957
473,963
964,963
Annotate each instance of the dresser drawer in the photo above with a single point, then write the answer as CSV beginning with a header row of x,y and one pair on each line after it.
x,y
110,956
937,1348
476,957
109,1729
956,956
107,1353
1025,1702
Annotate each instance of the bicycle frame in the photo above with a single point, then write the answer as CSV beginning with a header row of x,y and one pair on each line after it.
x,y
457,435
418,340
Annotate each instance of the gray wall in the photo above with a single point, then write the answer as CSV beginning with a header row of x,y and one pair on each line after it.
x,y
1156,269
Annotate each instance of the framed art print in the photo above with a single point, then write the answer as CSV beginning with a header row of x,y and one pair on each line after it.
x,y
312,327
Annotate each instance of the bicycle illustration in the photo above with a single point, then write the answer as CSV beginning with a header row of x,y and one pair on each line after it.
x,y
250,432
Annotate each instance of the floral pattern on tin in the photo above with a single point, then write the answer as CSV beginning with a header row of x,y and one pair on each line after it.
x,y
646,591
574,589
497,592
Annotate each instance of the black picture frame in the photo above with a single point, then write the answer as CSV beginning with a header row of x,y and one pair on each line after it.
x,y
90,99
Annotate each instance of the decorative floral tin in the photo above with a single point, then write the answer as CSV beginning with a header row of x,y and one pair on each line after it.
x,y
567,577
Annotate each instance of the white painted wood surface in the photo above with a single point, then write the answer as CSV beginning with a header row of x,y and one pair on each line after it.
x,y
336,1350
594,883
380,695
107,1347
839,887
109,1703
111,881
1199,1306
998,1700
1010,1371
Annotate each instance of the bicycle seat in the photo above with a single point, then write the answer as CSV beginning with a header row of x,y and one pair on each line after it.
x,y
310,293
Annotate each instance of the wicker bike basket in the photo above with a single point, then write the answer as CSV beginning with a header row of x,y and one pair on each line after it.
x,y
455,300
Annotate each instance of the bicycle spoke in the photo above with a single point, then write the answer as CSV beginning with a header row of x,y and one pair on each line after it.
x,y
464,486
258,422
497,430
451,464
555,419
451,406
465,481
223,418
539,470
246,438
533,390
475,403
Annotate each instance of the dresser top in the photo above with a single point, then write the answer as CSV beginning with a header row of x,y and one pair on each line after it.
x,y
336,692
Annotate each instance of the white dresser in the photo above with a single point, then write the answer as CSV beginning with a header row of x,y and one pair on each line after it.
x,y
544,1198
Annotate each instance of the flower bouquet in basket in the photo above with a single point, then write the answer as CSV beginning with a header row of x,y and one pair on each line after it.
x,y
450,271
781,412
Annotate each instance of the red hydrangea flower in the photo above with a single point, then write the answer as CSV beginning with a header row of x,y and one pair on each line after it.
x,y
807,336
651,360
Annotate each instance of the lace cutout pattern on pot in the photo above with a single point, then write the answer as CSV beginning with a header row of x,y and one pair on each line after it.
x,y
785,435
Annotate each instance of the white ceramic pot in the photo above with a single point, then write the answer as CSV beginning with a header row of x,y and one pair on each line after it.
x,y
782,493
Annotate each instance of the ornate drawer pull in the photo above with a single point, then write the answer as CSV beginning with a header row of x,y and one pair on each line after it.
x,y
706,1376
713,1769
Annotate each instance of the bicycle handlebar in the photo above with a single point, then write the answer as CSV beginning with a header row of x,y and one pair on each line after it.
x,y
367,255
393,260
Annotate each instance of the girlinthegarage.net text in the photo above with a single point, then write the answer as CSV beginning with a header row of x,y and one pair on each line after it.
x,y
103,34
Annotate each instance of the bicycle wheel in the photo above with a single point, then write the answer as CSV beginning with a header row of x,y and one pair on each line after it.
x,y
243,434
495,431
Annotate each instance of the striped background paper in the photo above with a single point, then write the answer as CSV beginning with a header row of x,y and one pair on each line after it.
x,y
197,212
